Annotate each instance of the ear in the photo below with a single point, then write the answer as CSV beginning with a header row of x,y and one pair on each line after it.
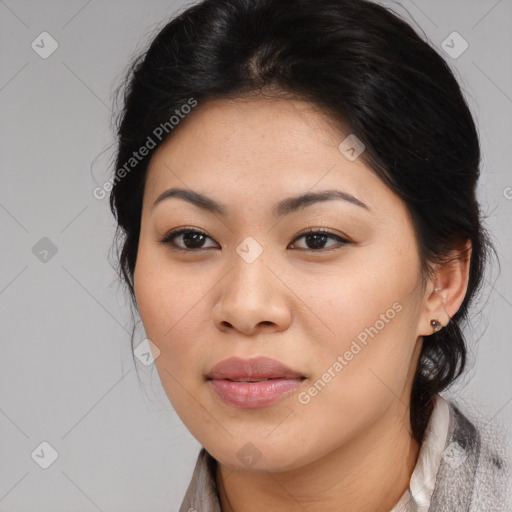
x,y
445,290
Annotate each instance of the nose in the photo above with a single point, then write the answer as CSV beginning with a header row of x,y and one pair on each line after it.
x,y
252,299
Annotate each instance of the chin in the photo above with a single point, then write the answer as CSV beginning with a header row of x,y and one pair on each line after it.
x,y
260,456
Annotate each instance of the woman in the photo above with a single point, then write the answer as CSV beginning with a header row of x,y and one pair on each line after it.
x,y
300,234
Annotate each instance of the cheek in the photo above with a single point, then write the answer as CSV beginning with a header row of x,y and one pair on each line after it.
x,y
361,299
171,306
172,313
371,348
358,375
366,336
165,295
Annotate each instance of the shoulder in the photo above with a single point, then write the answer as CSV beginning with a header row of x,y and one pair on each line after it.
x,y
475,469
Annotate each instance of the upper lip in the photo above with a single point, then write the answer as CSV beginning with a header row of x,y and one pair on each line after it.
x,y
235,368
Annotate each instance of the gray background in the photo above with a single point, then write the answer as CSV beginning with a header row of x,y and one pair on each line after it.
x,y
66,371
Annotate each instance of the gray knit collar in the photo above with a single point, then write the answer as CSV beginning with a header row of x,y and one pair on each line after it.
x,y
459,462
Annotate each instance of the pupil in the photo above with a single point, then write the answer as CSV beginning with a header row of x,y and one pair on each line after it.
x,y
319,240
192,240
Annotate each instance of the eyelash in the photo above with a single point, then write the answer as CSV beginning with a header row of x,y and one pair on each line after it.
x,y
168,238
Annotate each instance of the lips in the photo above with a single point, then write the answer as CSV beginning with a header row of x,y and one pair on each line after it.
x,y
255,369
252,383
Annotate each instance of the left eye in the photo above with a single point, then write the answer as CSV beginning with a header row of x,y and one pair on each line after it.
x,y
317,239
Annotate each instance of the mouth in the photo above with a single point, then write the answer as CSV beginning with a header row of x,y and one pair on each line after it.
x,y
252,383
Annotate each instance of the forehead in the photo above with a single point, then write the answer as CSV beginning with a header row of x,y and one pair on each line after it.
x,y
261,149
262,124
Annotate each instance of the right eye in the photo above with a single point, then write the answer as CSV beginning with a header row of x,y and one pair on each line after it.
x,y
191,239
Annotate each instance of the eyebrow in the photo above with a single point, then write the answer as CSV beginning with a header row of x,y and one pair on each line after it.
x,y
282,208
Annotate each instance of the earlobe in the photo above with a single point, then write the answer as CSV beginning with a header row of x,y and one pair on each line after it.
x,y
436,325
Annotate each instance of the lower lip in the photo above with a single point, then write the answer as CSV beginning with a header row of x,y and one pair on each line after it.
x,y
252,395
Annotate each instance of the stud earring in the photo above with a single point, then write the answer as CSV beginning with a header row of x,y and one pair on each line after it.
x,y
436,324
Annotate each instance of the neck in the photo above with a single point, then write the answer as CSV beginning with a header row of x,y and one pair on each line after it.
x,y
371,472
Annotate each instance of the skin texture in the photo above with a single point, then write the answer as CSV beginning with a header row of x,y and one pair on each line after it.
x,y
350,447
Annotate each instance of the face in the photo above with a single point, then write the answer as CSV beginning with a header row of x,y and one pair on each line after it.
x,y
340,306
